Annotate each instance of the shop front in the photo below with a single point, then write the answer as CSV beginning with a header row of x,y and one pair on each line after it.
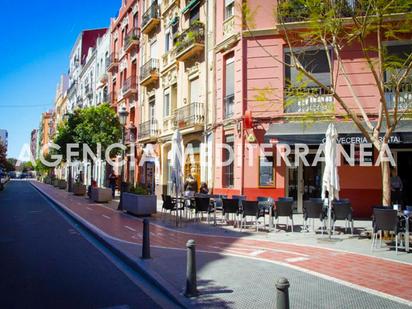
x,y
360,177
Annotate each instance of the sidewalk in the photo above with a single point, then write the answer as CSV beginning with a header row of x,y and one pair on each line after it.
x,y
239,270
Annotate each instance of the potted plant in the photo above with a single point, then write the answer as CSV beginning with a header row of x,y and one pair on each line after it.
x,y
139,202
62,184
79,188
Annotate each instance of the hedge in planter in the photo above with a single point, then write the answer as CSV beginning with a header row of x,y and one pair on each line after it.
x,y
138,202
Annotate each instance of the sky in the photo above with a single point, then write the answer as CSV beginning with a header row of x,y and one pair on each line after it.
x,y
36,41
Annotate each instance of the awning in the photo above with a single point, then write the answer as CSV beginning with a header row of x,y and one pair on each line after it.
x,y
314,133
173,21
191,4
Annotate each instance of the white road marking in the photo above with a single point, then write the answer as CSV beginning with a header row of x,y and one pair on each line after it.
x,y
88,208
296,259
107,217
257,252
130,228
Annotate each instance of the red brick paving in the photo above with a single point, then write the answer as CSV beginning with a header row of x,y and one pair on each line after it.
x,y
390,277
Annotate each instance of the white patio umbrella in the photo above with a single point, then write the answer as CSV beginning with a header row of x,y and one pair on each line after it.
x,y
330,180
176,164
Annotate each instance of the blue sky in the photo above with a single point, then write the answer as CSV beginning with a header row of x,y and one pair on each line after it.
x,y
37,37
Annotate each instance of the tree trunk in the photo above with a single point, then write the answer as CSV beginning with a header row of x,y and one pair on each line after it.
x,y
386,183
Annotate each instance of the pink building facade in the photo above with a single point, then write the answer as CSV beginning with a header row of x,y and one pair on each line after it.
x,y
245,69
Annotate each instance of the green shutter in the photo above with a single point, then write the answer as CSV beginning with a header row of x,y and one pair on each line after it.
x,y
190,5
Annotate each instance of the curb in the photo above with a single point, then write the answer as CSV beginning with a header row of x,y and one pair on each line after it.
x,y
138,266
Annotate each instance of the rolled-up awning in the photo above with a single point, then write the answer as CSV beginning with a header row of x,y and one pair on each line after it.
x,y
314,133
190,5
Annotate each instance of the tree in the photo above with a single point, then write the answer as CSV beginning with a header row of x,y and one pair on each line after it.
x,y
334,27
3,155
90,126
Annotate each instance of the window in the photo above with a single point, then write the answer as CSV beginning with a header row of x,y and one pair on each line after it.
x,y
195,90
229,8
167,40
166,104
396,56
229,86
194,14
266,165
152,112
228,170
314,61
153,49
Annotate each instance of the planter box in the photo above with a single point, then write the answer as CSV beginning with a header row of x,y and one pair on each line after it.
x,y
79,189
62,184
140,205
55,183
101,195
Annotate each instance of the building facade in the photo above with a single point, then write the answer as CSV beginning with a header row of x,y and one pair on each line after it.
x,y
245,119
33,143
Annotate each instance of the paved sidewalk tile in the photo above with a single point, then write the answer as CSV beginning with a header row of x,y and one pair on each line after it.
x,y
343,270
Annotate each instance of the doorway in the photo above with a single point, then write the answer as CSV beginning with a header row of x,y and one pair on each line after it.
x,y
304,182
404,167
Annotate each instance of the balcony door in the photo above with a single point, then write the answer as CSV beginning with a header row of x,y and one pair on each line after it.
x,y
195,90
153,49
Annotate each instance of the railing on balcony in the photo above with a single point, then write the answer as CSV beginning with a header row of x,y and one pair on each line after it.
x,y
404,97
132,37
229,26
195,34
129,86
112,60
72,88
148,129
130,135
229,102
153,12
295,11
189,115
307,100
149,68
88,91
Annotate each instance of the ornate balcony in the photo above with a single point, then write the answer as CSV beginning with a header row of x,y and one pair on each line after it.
x,y
229,27
404,100
189,115
307,100
149,72
131,40
129,87
130,134
151,18
148,130
190,42
112,62
168,124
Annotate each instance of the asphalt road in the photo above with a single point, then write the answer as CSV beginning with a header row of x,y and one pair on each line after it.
x,y
46,263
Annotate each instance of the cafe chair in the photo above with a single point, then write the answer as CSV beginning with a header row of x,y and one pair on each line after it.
x,y
384,220
251,209
284,208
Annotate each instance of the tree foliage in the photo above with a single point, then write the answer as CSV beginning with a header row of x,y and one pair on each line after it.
x,y
3,155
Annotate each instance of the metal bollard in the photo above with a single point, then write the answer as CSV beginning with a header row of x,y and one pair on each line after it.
x,y
146,240
282,297
191,284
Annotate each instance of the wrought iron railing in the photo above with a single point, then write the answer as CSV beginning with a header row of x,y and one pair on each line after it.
x,y
150,67
148,129
130,136
131,36
307,100
112,59
403,97
152,12
194,34
229,104
189,115
129,84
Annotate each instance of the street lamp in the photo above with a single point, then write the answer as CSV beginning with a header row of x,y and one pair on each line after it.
x,y
123,113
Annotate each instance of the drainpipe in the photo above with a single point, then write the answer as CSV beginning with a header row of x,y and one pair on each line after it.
x,y
206,106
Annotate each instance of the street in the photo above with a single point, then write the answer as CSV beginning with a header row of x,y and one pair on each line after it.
x,y
46,263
